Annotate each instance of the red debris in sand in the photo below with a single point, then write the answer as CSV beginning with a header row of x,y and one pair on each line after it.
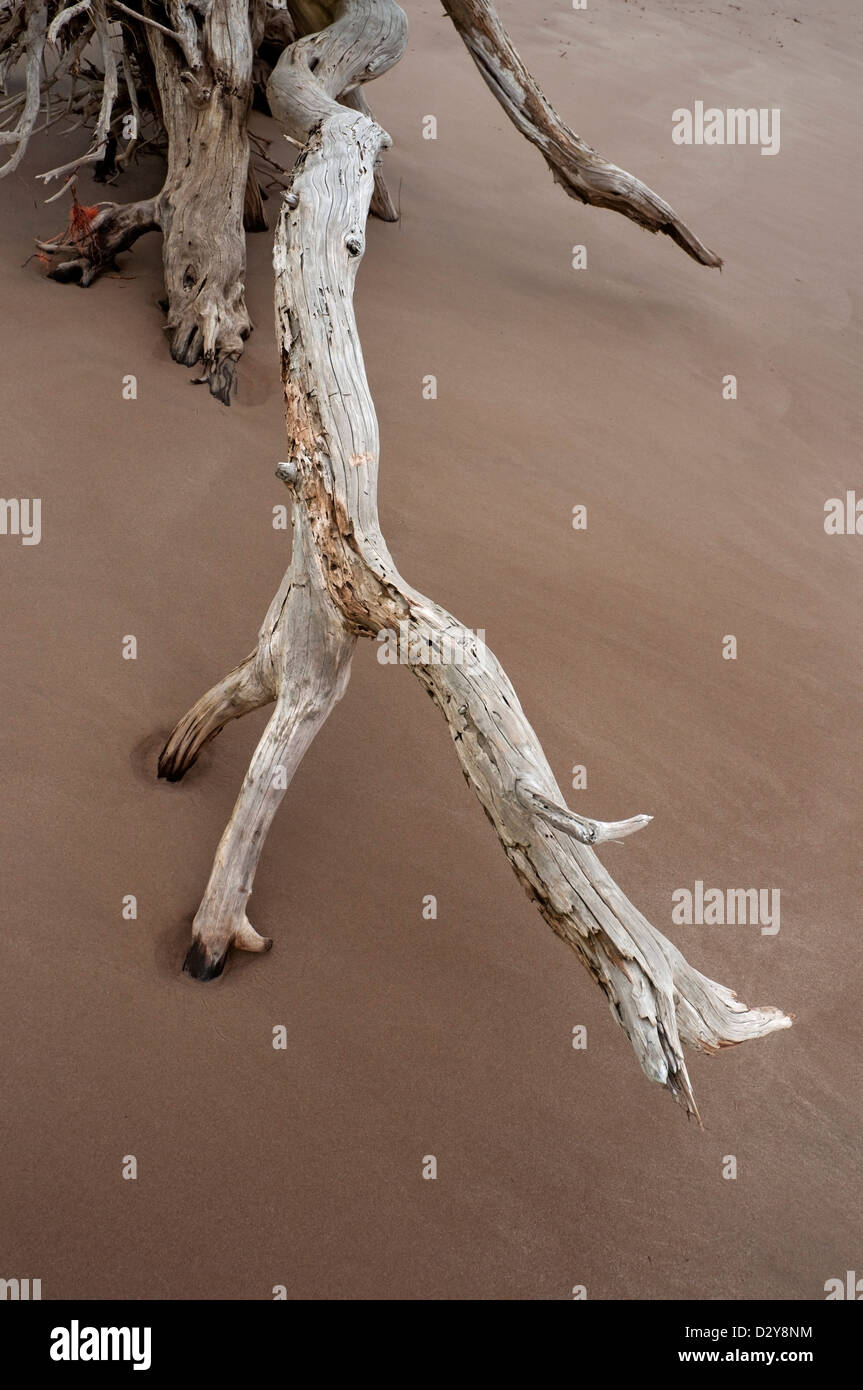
x,y
78,232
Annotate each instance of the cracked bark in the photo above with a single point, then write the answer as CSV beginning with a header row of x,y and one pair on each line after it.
x,y
344,584
205,91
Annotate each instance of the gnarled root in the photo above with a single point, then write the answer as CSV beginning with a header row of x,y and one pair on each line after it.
x,y
209,329
94,243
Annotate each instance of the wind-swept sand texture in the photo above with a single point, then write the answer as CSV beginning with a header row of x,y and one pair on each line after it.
x,y
407,1037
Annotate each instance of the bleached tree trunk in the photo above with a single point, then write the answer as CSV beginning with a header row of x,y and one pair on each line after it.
x,y
205,91
343,584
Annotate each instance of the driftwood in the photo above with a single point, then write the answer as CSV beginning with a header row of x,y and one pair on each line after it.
x,y
185,72
575,165
343,583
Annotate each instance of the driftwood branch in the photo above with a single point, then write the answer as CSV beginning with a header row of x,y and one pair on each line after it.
x,y
63,17
343,584
576,166
303,662
191,65
145,19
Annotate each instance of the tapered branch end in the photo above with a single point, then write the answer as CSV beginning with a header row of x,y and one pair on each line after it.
x,y
173,765
710,1016
206,958
581,828
618,830
707,1016
203,962
247,939
220,376
185,743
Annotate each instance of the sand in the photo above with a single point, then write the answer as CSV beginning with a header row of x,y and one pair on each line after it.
x,y
407,1037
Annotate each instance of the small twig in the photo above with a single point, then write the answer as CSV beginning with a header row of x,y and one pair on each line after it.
x,y
587,832
59,194
143,19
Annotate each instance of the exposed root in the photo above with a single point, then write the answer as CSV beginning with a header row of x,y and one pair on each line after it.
x,y
30,43
94,237
205,329
243,690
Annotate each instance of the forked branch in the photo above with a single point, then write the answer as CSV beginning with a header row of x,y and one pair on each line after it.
x,y
343,583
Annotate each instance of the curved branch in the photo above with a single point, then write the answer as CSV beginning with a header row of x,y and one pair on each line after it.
x,y
145,19
110,87
307,651
251,685
34,45
62,18
576,166
659,1000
